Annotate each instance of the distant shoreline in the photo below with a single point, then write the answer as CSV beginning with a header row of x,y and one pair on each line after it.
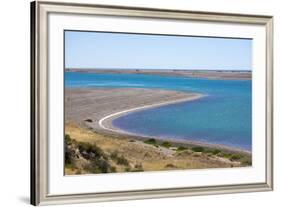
x,y
208,74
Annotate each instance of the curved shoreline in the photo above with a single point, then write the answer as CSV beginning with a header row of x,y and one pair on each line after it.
x,y
109,118
105,123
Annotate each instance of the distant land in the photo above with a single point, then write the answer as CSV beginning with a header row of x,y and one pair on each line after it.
x,y
210,74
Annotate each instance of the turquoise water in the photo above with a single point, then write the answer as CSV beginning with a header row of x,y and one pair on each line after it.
x,y
224,116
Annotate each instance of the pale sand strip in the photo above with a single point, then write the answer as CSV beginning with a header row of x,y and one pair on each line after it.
x,y
106,122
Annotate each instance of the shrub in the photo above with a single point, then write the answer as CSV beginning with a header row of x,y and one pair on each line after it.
x,y
181,148
246,162
99,165
120,160
69,157
114,155
67,139
69,153
138,168
170,165
150,141
90,150
223,154
84,146
102,165
166,144
235,157
216,151
226,155
113,169
198,149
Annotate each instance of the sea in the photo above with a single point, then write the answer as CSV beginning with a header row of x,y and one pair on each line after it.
x,y
223,116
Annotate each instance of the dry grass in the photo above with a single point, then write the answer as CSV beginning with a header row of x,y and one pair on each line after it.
x,y
142,156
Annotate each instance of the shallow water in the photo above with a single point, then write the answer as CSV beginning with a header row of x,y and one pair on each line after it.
x,y
224,116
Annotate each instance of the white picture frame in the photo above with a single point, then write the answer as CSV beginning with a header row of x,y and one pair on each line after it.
x,y
49,20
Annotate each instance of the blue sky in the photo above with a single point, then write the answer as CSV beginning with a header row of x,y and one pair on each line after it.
x,y
137,51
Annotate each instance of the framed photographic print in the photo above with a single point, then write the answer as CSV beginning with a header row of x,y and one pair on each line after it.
x,y
134,103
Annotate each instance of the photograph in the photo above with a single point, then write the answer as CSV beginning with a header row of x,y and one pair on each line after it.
x,y
138,102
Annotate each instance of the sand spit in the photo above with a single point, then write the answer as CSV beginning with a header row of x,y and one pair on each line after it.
x,y
89,106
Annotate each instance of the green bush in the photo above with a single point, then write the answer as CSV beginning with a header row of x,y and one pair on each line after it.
x,y
150,141
246,162
181,148
89,150
216,151
120,160
226,155
235,157
198,149
97,159
114,155
69,153
170,165
69,157
166,144
99,165
230,156
67,139
113,169
138,168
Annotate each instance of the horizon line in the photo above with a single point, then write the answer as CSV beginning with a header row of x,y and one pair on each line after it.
x,y
73,68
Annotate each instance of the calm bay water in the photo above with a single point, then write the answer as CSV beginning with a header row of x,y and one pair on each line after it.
x,y
224,116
